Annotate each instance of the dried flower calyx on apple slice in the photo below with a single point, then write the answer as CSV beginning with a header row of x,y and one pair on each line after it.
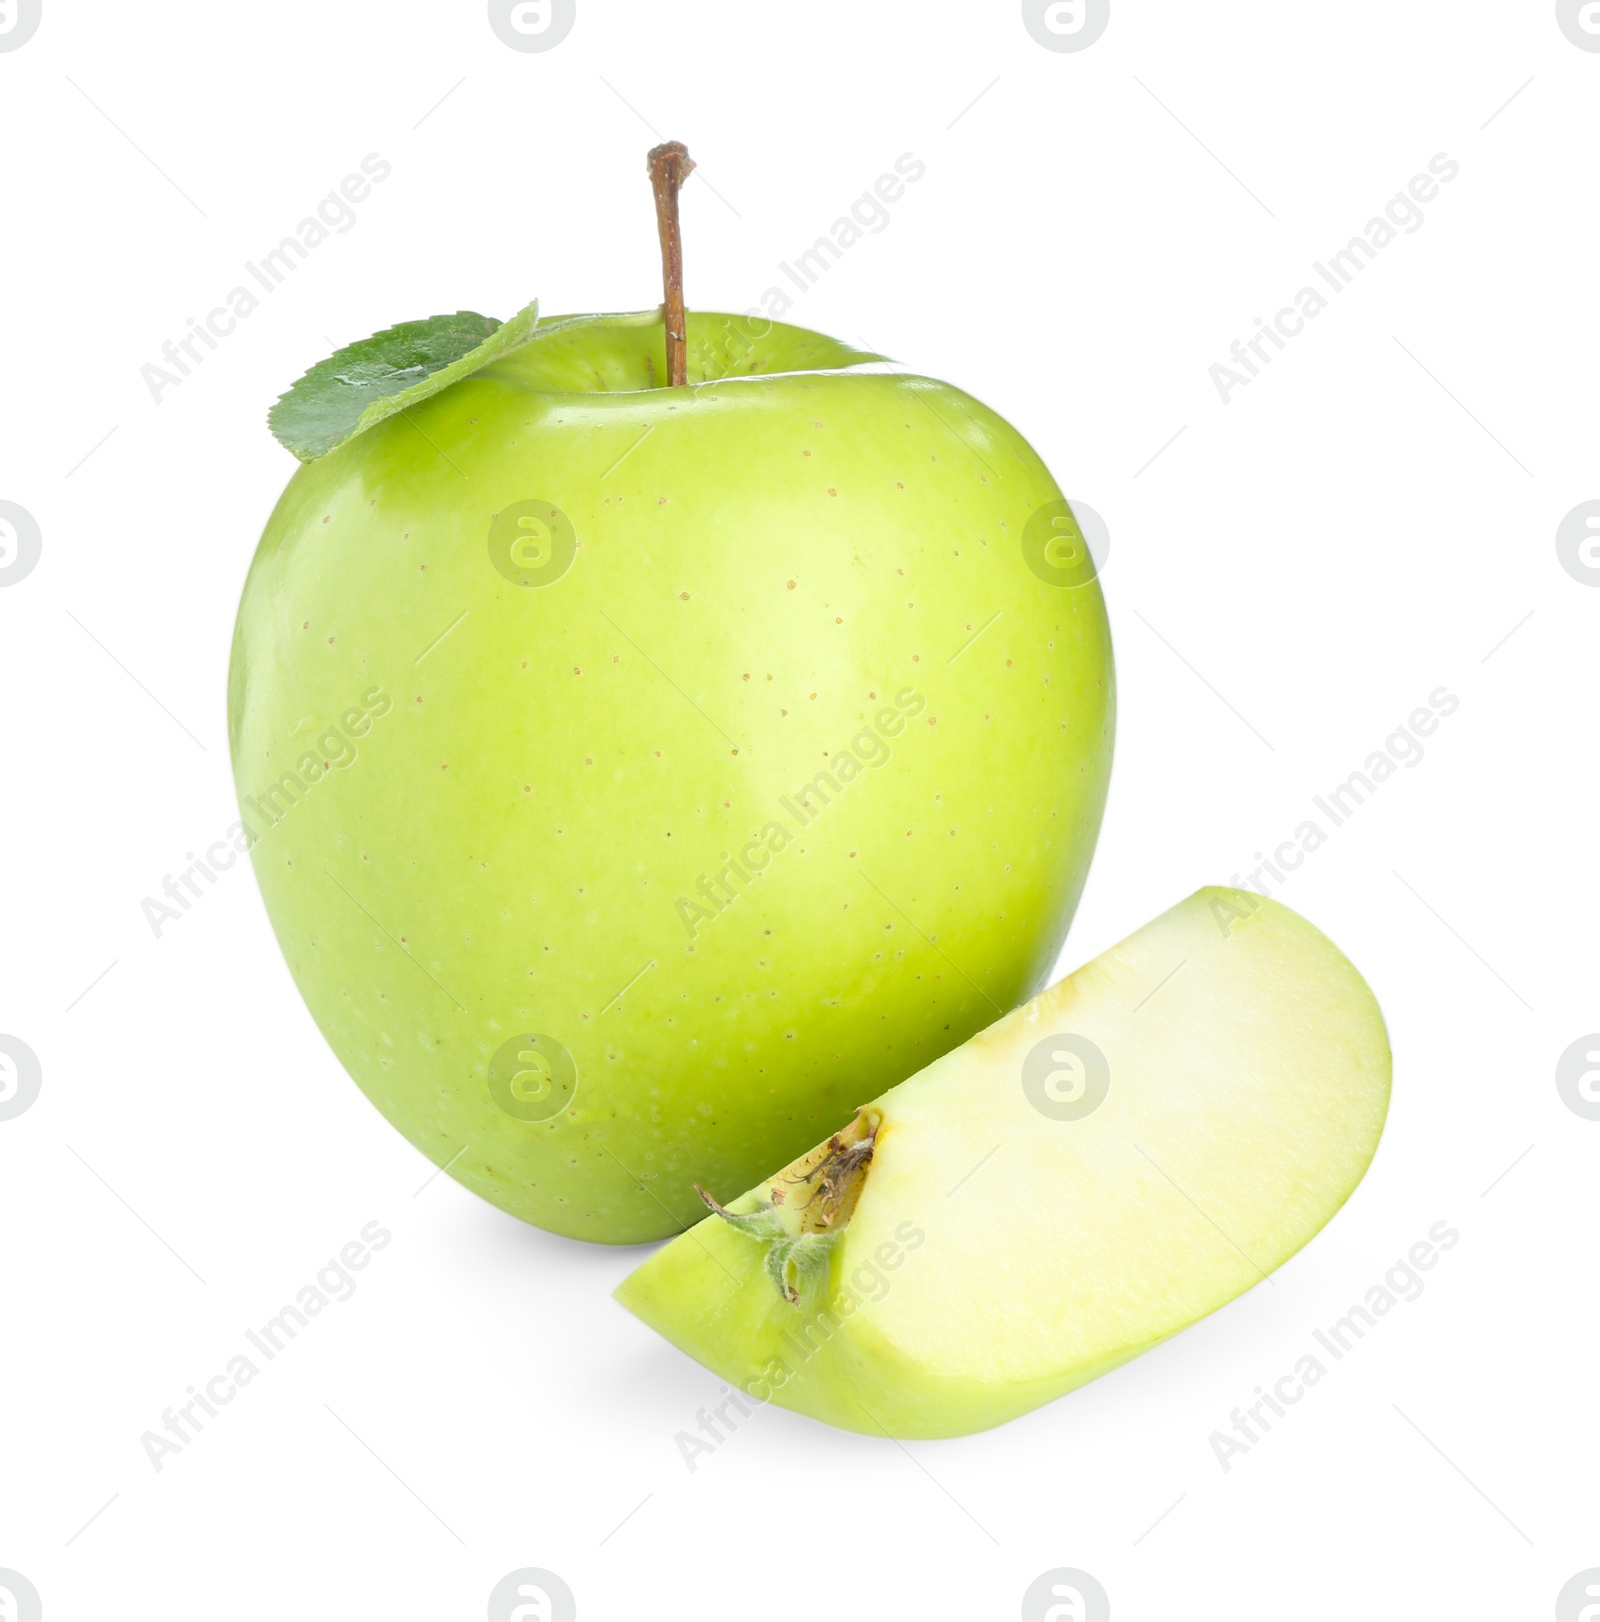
x,y
800,1233
400,367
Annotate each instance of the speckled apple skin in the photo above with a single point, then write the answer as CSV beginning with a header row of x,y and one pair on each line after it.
x,y
508,794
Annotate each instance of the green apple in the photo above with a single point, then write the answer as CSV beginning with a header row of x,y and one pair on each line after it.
x,y
1128,1152
641,776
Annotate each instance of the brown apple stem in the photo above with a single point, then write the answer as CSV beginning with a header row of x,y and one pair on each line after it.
x,y
670,165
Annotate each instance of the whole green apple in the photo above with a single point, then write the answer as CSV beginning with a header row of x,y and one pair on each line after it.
x,y
641,777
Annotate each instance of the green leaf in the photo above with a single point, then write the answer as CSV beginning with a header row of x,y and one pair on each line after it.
x,y
389,372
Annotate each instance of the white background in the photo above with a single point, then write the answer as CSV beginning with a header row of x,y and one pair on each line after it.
x,y
1374,517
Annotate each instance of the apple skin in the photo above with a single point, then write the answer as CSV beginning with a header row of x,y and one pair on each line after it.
x,y
501,799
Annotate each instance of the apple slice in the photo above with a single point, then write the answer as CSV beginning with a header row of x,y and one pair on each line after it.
x,y
1139,1144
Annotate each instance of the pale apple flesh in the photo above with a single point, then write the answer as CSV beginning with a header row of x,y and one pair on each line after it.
x,y
990,1254
773,787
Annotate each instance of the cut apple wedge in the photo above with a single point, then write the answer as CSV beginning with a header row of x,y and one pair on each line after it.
x,y
1126,1153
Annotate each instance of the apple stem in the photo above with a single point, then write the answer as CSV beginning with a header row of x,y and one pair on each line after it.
x,y
670,165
